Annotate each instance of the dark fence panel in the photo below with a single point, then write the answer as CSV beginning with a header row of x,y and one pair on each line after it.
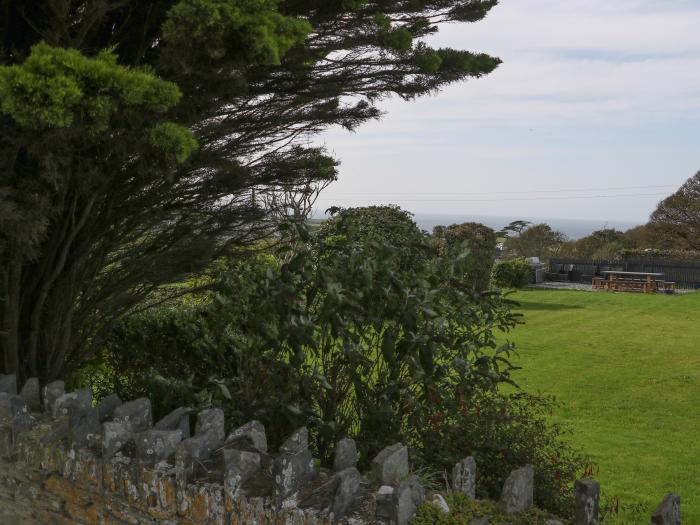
x,y
686,274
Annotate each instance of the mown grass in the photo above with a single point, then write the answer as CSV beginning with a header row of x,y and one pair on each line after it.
x,y
626,368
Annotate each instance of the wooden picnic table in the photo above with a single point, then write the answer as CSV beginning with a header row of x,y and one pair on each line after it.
x,y
623,281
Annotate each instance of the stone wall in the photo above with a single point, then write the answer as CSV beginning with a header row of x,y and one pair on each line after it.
x,y
65,461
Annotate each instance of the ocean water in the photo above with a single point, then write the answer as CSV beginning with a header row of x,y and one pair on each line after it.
x,y
572,228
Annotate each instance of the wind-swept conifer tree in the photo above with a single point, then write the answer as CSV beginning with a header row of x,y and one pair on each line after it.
x,y
135,136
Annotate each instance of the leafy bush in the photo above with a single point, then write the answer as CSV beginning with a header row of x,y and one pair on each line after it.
x,y
346,338
144,350
535,240
504,432
388,339
601,245
471,249
221,351
349,339
652,253
358,228
463,510
515,273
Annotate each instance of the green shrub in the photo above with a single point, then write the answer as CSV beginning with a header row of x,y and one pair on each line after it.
x,y
144,350
504,432
463,511
220,350
346,338
350,340
514,273
471,249
358,228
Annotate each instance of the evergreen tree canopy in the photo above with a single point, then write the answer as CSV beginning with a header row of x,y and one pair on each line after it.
x,y
135,137
536,240
677,217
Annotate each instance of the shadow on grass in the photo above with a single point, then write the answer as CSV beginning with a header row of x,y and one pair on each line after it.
x,y
548,306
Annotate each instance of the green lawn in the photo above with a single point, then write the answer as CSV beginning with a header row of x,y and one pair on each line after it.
x,y
626,368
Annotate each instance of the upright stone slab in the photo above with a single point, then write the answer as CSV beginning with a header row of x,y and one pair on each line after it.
x,y
22,419
297,442
211,420
153,446
518,491
240,466
407,498
136,413
6,445
587,502
294,467
51,393
6,406
345,455
178,419
464,477
107,406
191,452
250,437
31,394
8,384
85,427
346,491
668,512
391,464
290,472
385,502
78,400
115,436
440,502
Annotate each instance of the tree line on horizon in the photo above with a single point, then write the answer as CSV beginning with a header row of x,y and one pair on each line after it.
x,y
672,232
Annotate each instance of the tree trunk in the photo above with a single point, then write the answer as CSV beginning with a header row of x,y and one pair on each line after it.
x,y
9,320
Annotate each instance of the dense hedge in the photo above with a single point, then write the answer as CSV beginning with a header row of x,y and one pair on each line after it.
x,y
351,338
513,273
473,247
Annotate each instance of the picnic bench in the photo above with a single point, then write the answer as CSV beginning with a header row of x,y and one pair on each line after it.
x,y
623,281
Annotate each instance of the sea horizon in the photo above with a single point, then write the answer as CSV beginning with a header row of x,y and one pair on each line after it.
x,y
573,228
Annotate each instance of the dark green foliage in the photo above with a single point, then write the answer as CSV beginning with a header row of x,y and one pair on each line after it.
x,y
60,88
109,189
537,240
602,245
253,31
392,335
513,273
174,140
161,353
463,511
677,217
504,432
345,338
360,228
222,349
473,247
350,340
659,254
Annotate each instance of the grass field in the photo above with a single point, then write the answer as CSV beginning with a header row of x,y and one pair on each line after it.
x,y
626,368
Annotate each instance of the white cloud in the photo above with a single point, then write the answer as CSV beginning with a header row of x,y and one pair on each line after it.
x,y
599,60
605,74
638,27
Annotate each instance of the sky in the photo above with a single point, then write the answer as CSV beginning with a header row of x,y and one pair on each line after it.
x,y
594,114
